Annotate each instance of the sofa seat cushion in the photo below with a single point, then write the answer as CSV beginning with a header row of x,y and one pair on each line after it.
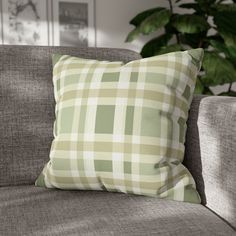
x,y
29,210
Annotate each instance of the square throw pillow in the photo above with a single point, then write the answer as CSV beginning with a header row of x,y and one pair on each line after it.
x,y
122,127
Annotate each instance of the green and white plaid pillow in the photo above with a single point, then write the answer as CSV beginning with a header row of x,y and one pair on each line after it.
x,y
122,127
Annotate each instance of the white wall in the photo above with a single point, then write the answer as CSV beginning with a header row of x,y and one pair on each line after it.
x,y
112,21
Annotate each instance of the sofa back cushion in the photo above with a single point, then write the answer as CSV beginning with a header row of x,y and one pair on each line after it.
x,y
27,106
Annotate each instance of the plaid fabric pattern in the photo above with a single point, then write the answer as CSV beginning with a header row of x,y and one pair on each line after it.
x,y
122,127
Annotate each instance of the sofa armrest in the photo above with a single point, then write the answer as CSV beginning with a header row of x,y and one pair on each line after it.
x,y
211,153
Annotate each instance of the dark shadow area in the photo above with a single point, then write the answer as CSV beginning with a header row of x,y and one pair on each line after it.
x,y
192,158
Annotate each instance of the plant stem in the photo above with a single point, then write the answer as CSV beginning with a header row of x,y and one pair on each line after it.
x,y
171,10
200,43
171,6
177,38
230,86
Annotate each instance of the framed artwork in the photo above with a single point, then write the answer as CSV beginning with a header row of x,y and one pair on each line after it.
x,y
1,33
73,23
25,22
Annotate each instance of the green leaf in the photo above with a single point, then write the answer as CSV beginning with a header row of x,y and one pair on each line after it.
x,y
190,24
218,70
193,6
205,5
154,45
229,51
199,88
168,49
229,38
220,46
226,21
225,7
206,2
232,53
193,40
138,19
155,21
133,35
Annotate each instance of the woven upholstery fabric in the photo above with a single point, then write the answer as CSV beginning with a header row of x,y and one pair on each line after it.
x,y
211,153
27,106
122,127
32,211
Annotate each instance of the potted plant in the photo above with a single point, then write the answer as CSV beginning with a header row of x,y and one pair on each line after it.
x,y
211,25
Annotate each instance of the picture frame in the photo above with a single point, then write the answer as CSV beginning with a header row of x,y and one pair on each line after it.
x,y
25,22
73,23
1,28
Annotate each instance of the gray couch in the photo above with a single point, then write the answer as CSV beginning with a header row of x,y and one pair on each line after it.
x,y
26,122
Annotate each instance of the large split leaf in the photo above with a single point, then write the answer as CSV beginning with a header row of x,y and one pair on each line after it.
x,y
154,45
218,70
155,21
138,19
190,24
